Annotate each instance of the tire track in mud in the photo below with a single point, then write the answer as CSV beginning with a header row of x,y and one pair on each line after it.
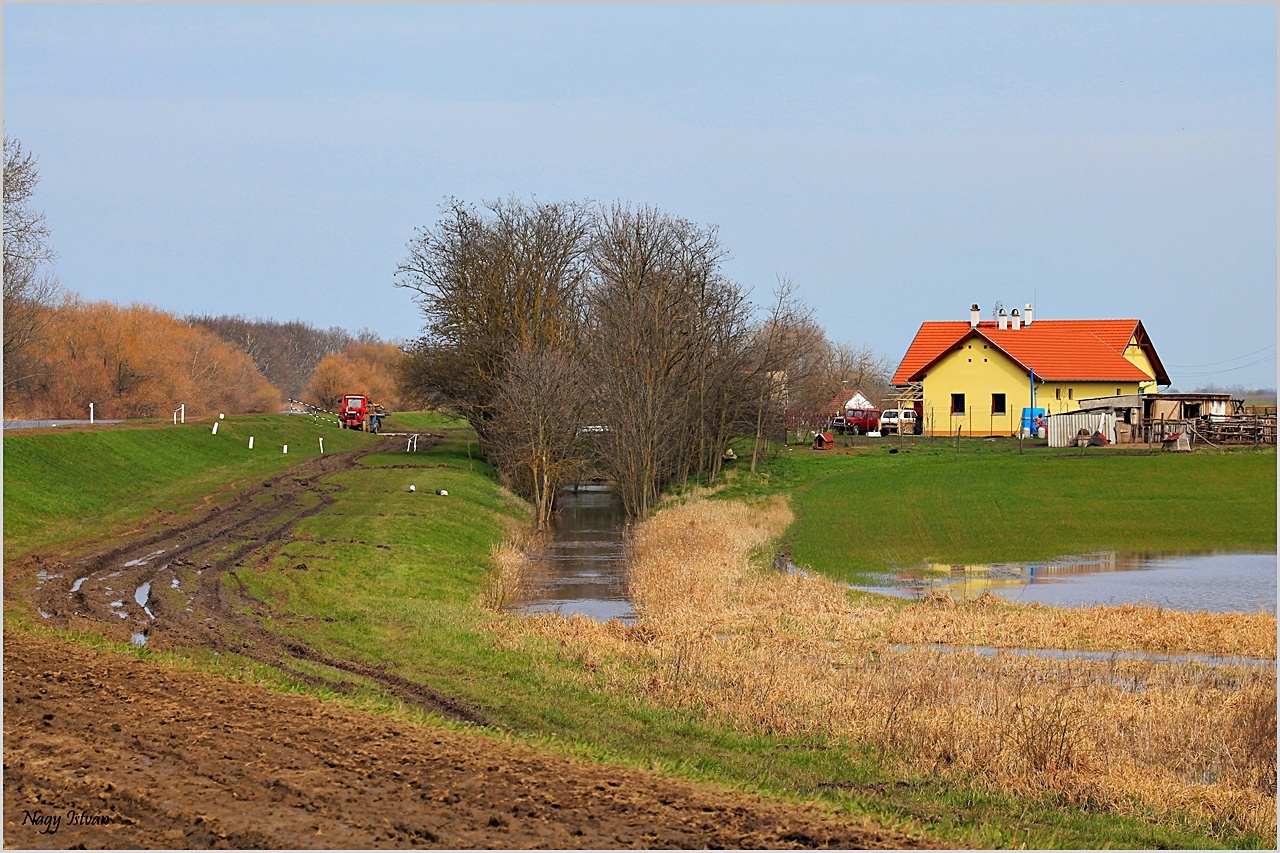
x,y
106,591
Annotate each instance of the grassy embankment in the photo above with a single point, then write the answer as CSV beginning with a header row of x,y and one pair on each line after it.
x,y
873,511
413,605
74,486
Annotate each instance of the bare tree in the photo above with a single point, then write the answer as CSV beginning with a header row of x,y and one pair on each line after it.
x,y
30,293
534,432
664,324
488,285
286,353
784,346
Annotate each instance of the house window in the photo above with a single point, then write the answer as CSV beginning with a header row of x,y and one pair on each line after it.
x,y
997,404
1057,393
1117,392
957,404
1071,393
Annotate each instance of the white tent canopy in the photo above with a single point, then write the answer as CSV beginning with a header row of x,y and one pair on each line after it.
x,y
858,401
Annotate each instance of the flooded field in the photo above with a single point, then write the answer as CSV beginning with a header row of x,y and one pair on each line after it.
x,y
1218,583
582,570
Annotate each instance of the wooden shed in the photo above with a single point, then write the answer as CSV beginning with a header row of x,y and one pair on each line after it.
x,y
824,441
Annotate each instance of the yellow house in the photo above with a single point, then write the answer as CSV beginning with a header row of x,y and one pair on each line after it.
x,y
979,376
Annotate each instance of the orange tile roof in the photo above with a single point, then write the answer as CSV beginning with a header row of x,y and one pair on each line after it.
x,y
1059,350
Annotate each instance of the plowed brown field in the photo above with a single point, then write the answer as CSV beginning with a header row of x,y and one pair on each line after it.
x,y
119,752
186,760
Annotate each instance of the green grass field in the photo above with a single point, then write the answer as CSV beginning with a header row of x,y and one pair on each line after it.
x,y
424,421
873,511
63,488
411,604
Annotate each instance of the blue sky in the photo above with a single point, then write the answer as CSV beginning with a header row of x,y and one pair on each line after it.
x,y
898,162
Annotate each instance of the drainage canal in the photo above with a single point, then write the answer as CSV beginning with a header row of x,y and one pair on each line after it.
x,y
1218,583
583,569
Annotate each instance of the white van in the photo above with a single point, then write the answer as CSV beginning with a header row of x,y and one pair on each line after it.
x,y
899,420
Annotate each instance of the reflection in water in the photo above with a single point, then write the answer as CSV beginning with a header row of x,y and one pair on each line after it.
x,y
582,570
1218,583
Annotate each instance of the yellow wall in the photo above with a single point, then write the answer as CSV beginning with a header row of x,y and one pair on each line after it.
x,y
978,370
1136,356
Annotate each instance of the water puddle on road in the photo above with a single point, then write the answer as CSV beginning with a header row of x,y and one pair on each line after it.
x,y
142,561
139,639
141,595
75,587
583,570
1217,583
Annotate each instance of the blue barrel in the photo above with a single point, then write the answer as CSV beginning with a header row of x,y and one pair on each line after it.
x,y
1028,419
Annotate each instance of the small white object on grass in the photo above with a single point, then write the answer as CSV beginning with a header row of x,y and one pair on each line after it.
x,y
443,492
251,442
221,416
286,448
412,488
215,429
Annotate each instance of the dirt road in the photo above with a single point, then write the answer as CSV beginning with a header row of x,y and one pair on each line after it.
x,y
112,751
166,586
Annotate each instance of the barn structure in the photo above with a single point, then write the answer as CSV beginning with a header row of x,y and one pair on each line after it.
x,y
1149,418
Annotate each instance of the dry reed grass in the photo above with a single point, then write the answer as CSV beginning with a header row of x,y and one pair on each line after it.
x,y
790,655
991,621
508,580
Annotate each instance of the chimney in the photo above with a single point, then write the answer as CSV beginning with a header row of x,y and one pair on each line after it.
x,y
1026,315
973,316
1003,319
1016,319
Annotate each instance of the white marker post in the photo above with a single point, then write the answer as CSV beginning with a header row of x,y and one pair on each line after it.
x,y
91,414
286,448
215,429
322,446
251,442
181,409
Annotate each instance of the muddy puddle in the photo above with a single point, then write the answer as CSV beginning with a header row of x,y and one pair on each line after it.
x,y
142,595
1217,583
583,569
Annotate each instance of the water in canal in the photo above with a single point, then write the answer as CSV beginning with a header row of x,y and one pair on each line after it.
x,y
1218,583
582,569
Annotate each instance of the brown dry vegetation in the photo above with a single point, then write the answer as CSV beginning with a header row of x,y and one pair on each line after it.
x,y
361,368
791,655
134,362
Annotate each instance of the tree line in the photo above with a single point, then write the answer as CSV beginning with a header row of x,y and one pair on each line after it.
x,y
581,338
62,353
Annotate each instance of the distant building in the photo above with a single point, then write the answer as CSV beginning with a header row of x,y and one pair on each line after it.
x,y
980,375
